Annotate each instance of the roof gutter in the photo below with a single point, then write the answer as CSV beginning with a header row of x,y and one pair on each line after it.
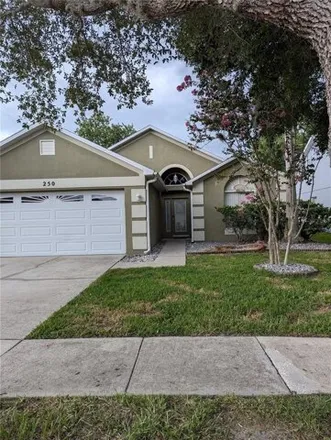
x,y
148,221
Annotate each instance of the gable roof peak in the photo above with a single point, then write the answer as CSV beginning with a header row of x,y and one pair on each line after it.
x,y
174,139
9,142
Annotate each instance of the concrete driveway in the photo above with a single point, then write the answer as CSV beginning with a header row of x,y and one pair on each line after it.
x,y
32,288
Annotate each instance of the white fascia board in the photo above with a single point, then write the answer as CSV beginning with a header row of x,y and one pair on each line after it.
x,y
74,137
178,142
107,152
309,146
25,131
209,172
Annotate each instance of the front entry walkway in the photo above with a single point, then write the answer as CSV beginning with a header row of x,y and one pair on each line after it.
x,y
173,253
167,365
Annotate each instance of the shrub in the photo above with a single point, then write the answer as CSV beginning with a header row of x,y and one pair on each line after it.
x,y
319,218
249,216
236,218
245,217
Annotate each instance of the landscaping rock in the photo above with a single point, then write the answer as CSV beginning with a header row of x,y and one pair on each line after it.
x,y
307,246
205,247
142,258
288,269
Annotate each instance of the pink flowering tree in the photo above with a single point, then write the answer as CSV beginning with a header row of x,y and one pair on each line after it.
x,y
253,131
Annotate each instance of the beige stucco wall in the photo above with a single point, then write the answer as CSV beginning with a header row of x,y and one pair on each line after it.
x,y
155,215
214,197
70,160
164,153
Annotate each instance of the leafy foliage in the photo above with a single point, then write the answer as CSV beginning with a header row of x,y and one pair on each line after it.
x,y
237,218
52,61
99,129
319,218
253,216
250,218
253,87
270,76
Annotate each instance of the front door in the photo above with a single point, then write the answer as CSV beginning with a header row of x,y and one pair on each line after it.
x,y
176,217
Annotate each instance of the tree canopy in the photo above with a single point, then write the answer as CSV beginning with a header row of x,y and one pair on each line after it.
x,y
54,61
266,73
60,54
99,129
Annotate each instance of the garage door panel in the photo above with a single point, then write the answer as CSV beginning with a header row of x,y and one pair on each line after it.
x,y
7,232
105,213
7,216
35,231
106,229
71,230
70,214
8,249
71,246
110,246
74,223
36,248
36,215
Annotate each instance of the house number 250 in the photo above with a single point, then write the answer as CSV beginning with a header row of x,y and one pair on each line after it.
x,y
48,183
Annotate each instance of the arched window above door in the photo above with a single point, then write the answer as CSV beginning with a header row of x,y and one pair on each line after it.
x,y
175,176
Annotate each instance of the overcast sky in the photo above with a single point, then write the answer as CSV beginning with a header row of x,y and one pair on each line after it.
x,y
169,111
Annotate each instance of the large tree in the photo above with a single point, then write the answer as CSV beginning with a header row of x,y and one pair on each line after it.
x,y
276,71
53,61
99,129
310,19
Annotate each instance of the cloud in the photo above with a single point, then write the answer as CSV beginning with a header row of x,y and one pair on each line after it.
x,y
169,111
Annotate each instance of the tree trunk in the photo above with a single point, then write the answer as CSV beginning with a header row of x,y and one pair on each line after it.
x,y
291,190
310,19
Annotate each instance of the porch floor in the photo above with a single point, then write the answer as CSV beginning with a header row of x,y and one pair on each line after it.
x,y
173,253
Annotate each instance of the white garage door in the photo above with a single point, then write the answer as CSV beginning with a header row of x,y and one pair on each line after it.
x,y
62,223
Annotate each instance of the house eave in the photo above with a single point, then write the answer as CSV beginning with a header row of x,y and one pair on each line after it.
x,y
161,133
212,171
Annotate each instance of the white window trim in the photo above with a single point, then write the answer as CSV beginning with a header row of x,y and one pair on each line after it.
x,y
41,147
176,165
229,191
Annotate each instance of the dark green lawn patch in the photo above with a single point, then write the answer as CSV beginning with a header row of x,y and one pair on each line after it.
x,y
321,237
168,418
211,295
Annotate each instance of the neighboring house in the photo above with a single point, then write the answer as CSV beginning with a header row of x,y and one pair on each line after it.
x,y
64,195
322,180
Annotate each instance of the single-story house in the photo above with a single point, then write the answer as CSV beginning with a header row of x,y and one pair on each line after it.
x,y
64,195
322,179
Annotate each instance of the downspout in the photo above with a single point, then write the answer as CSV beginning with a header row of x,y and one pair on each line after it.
x,y
191,210
147,251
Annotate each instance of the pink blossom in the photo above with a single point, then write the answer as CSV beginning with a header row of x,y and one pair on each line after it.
x,y
187,78
180,88
225,121
187,123
250,198
194,92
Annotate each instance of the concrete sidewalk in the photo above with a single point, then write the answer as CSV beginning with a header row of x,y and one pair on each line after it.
x,y
173,253
166,365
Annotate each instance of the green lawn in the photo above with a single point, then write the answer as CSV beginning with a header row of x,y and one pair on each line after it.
x,y
211,295
321,237
167,418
